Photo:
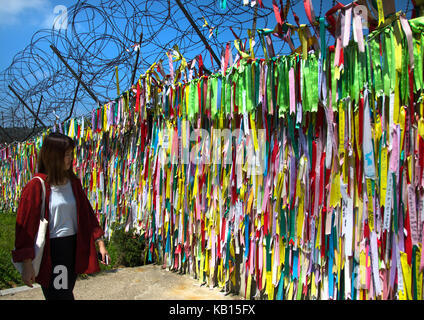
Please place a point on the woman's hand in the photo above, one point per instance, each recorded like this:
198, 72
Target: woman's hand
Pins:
28, 273
103, 252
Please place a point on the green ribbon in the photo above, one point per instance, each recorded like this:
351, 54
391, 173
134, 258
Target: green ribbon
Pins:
249, 87
213, 87
283, 88
414, 273
268, 252
387, 62
395, 210
269, 83
310, 83
223, 4
376, 66
195, 103
418, 45
257, 80
286, 262
322, 38
417, 27
283, 224
223, 92
292, 223
290, 125
192, 100
228, 91
404, 75
202, 98
333, 83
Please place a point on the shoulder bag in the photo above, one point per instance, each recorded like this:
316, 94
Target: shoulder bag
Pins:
40, 237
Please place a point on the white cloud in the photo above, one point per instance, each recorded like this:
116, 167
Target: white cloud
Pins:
48, 20
56, 18
13, 11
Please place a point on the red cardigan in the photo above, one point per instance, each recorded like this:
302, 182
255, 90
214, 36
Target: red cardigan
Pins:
27, 222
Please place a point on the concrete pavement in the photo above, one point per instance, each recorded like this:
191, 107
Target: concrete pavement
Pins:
149, 282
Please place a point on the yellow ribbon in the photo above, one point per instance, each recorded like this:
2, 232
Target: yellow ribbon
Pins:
303, 40
243, 54
380, 12
117, 80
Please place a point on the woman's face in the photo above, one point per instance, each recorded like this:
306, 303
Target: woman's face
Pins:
68, 159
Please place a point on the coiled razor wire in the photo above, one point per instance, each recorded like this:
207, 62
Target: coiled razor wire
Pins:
101, 36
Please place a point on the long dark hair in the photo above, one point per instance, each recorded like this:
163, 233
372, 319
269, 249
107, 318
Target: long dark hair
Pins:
52, 155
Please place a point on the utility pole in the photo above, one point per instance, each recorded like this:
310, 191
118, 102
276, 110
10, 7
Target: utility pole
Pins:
35, 122
29, 109
75, 97
198, 31
92, 95
136, 59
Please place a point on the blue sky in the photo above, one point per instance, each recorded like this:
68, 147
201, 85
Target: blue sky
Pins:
19, 20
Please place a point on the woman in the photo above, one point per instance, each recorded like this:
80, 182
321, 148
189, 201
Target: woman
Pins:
73, 227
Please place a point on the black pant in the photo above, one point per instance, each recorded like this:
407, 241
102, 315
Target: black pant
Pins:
62, 252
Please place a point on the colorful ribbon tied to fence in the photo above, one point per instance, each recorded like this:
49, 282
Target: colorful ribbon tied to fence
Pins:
292, 177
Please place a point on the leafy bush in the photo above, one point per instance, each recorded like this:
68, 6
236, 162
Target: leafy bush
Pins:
126, 248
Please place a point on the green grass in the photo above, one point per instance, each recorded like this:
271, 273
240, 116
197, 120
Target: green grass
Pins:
9, 276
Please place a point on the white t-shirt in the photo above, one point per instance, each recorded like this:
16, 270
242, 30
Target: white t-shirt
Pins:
62, 211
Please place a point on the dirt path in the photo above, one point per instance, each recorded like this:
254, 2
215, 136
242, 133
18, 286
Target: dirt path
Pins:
149, 282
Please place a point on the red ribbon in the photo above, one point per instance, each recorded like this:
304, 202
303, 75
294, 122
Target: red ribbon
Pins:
203, 234
199, 94
313, 175
421, 155
227, 56
411, 92
323, 215
321, 172
137, 98
408, 240
277, 12
266, 214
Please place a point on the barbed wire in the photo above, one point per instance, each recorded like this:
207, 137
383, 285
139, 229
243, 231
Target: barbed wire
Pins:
103, 35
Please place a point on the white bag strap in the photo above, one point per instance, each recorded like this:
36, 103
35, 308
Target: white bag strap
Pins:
43, 201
